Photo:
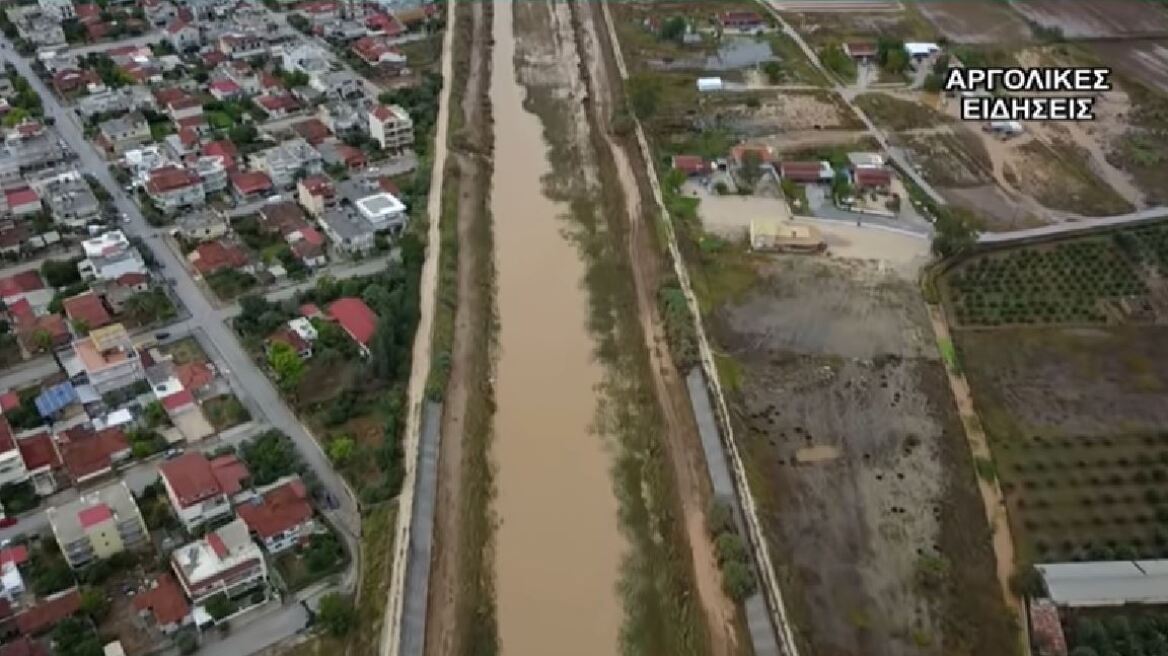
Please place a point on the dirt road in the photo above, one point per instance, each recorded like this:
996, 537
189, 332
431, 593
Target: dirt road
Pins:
420, 366
470, 348
680, 429
991, 492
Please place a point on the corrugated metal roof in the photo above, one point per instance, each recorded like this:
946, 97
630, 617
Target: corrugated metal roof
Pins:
1107, 583
55, 398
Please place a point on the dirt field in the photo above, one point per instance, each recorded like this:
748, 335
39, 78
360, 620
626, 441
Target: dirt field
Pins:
783, 112
1146, 61
838, 373
822, 28
975, 21
1091, 19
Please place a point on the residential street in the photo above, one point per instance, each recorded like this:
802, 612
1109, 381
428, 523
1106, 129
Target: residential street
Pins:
249, 377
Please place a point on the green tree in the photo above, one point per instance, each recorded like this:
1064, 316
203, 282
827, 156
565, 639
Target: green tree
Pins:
673, 29
270, 457
340, 449
286, 362
219, 606
187, 642
952, 235
738, 580
751, 169
75, 637
154, 414
841, 186
94, 604
644, 95
773, 71
60, 273
337, 615
730, 548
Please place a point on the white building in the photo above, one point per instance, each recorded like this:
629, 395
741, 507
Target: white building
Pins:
391, 127
109, 257
225, 561
199, 489
383, 211
12, 469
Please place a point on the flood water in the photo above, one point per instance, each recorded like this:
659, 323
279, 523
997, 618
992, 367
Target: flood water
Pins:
734, 53
558, 546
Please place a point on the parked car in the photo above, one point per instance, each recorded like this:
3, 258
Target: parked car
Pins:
161, 335
8, 521
173, 453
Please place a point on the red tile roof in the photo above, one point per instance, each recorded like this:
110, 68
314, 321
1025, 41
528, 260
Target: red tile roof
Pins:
199, 121
48, 612
85, 452
20, 283
318, 185
312, 236
23, 645
355, 317
176, 26
21, 196
277, 103
180, 399
165, 601
87, 308
217, 545
170, 178
312, 130
38, 451
132, 279
94, 515
222, 148
381, 112
194, 375
17, 555
194, 478
225, 87
310, 310
286, 335
230, 472
189, 137
871, 176
353, 157
247, 183
801, 171
320, 7
9, 401
690, 164
191, 478
89, 10
213, 256
764, 154
282, 508
384, 24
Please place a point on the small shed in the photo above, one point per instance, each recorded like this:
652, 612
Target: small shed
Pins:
921, 50
710, 84
807, 172
860, 50
872, 177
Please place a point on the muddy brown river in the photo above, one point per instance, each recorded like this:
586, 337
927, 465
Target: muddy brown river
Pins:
558, 546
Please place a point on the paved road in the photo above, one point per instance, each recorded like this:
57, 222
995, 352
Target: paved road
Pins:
1071, 227
347, 517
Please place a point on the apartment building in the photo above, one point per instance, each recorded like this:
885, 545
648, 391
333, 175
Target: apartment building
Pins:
98, 524
225, 561
391, 127
108, 359
110, 256
172, 188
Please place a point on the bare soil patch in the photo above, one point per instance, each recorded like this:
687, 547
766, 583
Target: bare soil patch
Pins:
1094, 20
1058, 175
1146, 61
768, 113
886, 544
893, 113
994, 208
823, 28
975, 21
950, 158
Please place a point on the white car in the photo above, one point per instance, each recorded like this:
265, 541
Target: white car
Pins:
125, 218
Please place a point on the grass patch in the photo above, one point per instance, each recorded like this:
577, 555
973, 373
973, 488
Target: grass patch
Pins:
185, 350
891, 113
225, 411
